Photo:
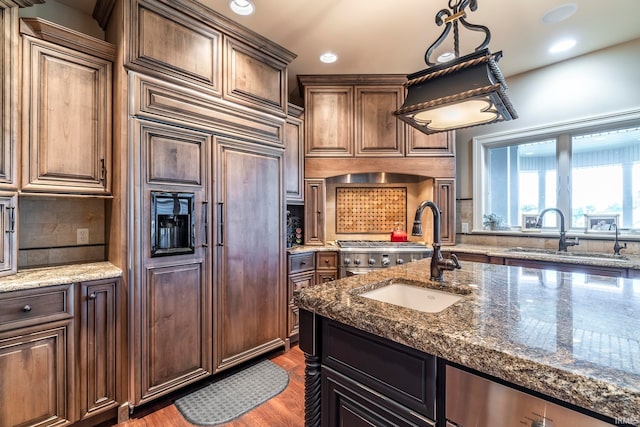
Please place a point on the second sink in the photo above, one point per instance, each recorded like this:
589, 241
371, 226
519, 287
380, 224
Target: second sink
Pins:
414, 297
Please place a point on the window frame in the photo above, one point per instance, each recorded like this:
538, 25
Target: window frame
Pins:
562, 133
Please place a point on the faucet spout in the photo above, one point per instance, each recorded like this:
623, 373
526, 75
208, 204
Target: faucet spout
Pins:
564, 242
617, 247
438, 263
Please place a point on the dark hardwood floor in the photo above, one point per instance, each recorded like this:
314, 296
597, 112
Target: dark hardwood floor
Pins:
284, 410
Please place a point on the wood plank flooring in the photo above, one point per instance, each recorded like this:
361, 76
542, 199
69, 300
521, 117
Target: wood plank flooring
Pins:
284, 410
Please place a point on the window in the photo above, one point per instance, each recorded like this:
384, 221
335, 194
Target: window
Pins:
583, 168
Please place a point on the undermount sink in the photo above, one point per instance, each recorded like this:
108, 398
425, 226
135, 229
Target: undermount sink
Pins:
569, 254
409, 294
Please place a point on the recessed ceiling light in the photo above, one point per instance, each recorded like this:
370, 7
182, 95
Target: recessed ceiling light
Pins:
242, 7
560, 13
445, 57
562, 45
328, 57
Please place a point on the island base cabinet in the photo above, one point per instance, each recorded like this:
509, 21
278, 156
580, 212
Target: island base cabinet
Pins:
348, 403
34, 376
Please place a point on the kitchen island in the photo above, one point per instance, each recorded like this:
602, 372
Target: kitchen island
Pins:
571, 337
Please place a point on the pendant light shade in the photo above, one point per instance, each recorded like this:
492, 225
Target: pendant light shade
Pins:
464, 92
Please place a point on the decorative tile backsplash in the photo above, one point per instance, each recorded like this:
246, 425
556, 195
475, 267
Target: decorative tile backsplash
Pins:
370, 209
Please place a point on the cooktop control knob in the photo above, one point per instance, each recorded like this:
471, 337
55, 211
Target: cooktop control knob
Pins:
372, 261
400, 261
385, 262
356, 261
542, 423
347, 261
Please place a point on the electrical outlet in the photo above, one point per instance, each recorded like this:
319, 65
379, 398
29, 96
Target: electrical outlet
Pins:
83, 236
465, 227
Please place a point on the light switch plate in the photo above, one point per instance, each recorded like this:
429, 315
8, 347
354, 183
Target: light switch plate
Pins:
83, 236
465, 227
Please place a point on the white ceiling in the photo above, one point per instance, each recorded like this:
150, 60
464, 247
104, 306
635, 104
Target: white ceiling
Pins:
392, 36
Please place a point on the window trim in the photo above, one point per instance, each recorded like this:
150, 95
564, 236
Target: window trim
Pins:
482, 143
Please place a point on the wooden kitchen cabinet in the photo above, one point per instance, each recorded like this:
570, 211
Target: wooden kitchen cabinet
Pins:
250, 295
314, 214
444, 195
9, 238
9, 82
351, 115
99, 339
207, 52
300, 274
435, 144
172, 344
36, 357
294, 156
326, 266
329, 121
377, 131
66, 111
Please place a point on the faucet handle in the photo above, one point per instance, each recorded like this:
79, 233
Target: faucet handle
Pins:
450, 263
454, 260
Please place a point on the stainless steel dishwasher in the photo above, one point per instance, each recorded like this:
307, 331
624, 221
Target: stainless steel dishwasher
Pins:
473, 401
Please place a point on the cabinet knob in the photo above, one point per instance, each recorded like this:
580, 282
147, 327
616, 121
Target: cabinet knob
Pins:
26, 308
92, 295
303, 262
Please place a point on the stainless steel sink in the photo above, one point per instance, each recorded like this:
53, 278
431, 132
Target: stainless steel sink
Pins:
571, 254
413, 295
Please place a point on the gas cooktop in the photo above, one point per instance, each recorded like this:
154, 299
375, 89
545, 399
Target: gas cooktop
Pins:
379, 244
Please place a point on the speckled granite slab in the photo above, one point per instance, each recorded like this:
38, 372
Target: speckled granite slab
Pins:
49, 276
575, 337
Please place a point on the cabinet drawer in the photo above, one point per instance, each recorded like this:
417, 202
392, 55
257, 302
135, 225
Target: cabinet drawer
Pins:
22, 308
326, 260
403, 374
301, 262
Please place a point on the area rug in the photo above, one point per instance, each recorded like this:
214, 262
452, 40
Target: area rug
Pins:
232, 396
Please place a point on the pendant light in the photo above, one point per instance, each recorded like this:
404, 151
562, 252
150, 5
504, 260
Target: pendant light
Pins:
463, 92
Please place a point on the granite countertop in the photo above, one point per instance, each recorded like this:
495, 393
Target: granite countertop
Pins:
572, 336
312, 248
572, 256
49, 276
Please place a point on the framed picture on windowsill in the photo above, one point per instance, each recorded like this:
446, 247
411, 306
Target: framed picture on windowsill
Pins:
529, 223
600, 223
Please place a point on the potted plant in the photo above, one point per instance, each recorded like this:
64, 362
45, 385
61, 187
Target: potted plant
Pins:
492, 221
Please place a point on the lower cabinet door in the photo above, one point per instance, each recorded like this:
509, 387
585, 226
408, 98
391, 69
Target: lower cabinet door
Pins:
176, 328
98, 336
348, 403
35, 372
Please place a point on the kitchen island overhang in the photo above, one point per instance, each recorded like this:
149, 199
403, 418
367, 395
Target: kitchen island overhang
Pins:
535, 329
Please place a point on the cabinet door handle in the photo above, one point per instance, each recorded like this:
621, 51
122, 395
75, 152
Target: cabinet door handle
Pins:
11, 211
92, 295
205, 214
26, 308
103, 171
220, 223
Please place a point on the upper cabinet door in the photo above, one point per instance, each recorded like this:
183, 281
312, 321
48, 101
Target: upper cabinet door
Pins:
329, 121
294, 156
169, 44
378, 131
9, 96
8, 240
66, 113
435, 144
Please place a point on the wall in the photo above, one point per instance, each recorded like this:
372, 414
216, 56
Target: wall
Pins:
599, 83
64, 15
416, 192
48, 230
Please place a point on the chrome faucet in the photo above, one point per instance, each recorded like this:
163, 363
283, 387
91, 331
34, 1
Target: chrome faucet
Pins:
438, 263
617, 247
564, 242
